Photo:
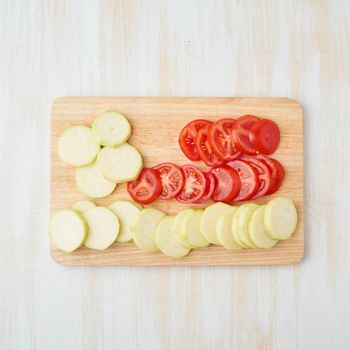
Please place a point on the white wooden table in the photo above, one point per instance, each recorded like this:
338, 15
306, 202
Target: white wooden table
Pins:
298, 49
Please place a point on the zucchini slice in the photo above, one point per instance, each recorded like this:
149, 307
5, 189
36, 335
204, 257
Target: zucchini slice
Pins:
166, 241
67, 230
77, 146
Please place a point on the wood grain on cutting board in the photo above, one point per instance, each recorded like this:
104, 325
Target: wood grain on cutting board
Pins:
156, 123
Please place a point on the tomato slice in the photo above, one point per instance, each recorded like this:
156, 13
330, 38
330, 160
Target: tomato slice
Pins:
221, 140
228, 184
172, 179
211, 183
265, 136
195, 185
204, 148
146, 188
241, 133
249, 179
263, 174
280, 176
272, 169
187, 138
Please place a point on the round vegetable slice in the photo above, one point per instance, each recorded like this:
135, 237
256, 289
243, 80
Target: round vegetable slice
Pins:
211, 183
191, 231
92, 183
120, 164
235, 220
221, 139
245, 213
144, 229
111, 129
209, 220
263, 175
224, 229
77, 146
256, 229
67, 230
195, 185
272, 169
280, 218
249, 179
146, 188
228, 184
166, 241
204, 148
127, 214
103, 228
279, 178
187, 138
264, 135
172, 180
241, 133
82, 206
177, 228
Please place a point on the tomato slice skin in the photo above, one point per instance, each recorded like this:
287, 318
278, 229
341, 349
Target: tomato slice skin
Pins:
211, 183
204, 148
228, 184
146, 188
280, 176
264, 135
221, 139
263, 174
187, 138
240, 133
195, 185
172, 180
249, 179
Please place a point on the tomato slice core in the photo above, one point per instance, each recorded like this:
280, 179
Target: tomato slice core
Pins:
187, 138
263, 174
249, 179
204, 148
195, 185
228, 183
146, 188
172, 179
240, 133
221, 139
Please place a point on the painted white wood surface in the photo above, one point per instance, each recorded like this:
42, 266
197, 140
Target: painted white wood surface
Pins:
298, 49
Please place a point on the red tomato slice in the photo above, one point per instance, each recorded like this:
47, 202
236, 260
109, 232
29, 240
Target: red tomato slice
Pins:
280, 176
265, 136
146, 188
228, 184
241, 133
272, 169
195, 185
187, 138
249, 179
221, 140
211, 183
263, 174
172, 179
204, 148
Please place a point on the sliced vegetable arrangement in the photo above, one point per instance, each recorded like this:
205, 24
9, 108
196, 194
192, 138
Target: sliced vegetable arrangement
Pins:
235, 228
224, 140
239, 180
240, 170
99, 170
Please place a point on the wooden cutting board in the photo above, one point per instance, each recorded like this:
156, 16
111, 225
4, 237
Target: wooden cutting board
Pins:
156, 123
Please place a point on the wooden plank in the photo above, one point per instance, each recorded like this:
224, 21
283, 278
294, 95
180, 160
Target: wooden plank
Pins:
156, 123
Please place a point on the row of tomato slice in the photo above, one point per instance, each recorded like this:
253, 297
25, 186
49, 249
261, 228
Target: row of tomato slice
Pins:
241, 179
218, 142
